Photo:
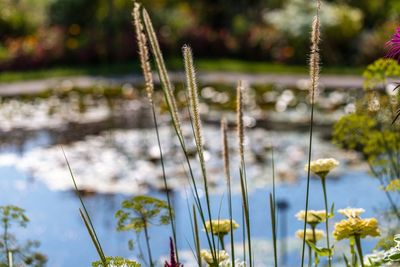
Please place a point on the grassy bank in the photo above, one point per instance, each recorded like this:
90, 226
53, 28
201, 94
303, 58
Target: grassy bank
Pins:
231, 65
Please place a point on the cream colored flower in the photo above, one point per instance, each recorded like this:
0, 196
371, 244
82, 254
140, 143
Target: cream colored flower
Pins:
351, 212
356, 227
313, 216
319, 234
322, 166
220, 227
207, 256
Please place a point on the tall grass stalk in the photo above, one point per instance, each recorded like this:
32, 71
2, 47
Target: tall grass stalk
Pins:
242, 170
314, 77
273, 225
147, 74
172, 108
85, 216
195, 231
162, 72
225, 156
196, 235
273, 210
196, 121
323, 181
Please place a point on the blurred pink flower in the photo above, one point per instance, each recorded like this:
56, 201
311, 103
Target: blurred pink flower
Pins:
393, 46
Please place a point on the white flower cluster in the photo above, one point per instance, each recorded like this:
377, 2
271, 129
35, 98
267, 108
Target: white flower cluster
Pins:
221, 226
310, 235
313, 216
322, 166
207, 256
351, 212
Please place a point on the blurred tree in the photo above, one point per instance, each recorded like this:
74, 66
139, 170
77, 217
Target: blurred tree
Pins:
21, 17
219, 14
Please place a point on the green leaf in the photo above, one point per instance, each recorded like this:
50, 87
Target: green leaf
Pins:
346, 261
116, 262
332, 213
323, 252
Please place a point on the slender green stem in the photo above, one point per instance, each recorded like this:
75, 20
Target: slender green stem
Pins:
359, 249
172, 108
314, 75
199, 148
273, 179
316, 260
323, 181
231, 230
148, 246
243, 235
353, 253
225, 154
196, 235
309, 256
308, 176
221, 240
6, 239
273, 209
246, 212
85, 215
171, 214
273, 224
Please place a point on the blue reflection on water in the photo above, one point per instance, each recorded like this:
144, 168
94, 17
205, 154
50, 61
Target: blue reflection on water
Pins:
55, 219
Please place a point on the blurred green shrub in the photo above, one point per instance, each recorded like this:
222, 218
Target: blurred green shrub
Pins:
22, 254
92, 31
21, 17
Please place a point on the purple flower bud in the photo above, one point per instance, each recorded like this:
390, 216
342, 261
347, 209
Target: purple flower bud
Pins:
173, 262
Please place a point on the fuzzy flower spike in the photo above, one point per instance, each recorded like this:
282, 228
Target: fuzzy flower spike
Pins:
393, 46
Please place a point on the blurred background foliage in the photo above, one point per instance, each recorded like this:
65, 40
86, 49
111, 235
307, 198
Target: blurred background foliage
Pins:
42, 33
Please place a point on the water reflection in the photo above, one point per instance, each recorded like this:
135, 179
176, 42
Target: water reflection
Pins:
55, 219
107, 136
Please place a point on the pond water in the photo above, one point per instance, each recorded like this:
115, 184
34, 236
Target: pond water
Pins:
55, 219
112, 151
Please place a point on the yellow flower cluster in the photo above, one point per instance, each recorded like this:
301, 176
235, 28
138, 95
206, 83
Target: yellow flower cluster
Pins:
351, 212
313, 216
322, 166
356, 227
208, 257
319, 234
394, 185
220, 227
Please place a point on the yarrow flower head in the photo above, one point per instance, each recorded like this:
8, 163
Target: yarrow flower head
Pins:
319, 234
220, 227
393, 46
351, 212
207, 256
322, 167
356, 227
313, 216
393, 186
